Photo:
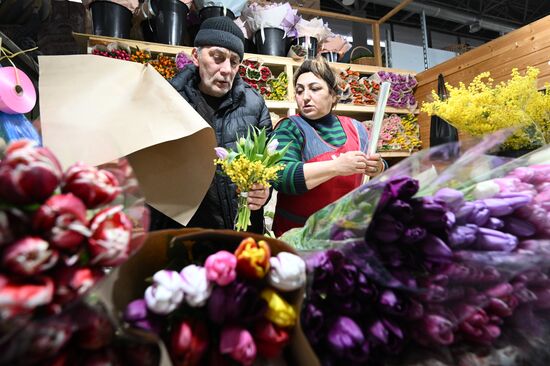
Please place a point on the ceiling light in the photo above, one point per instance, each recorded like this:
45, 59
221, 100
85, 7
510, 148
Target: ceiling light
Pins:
475, 27
348, 2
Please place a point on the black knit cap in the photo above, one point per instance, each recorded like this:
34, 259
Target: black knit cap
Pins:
221, 32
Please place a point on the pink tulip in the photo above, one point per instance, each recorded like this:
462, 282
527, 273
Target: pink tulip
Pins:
238, 344
220, 267
20, 298
62, 219
189, 343
95, 187
28, 174
29, 256
109, 242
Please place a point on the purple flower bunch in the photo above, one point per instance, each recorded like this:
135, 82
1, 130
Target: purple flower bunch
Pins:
182, 60
402, 87
435, 271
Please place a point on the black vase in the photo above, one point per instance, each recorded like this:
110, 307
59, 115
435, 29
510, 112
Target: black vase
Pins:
215, 11
170, 21
310, 45
330, 56
274, 44
110, 19
512, 153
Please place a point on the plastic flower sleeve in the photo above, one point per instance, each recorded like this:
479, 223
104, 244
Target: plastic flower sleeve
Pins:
441, 278
236, 6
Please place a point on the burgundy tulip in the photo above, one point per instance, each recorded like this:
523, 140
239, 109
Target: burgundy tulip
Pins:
22, 298
73, 282
270, 340
14, 223
28, 173
95, 329
189, 343
474, 324
47, 338
434, 330
95, 187
62, 219
29, 256
109, 242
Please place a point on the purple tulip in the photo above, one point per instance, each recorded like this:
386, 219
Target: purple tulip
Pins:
413, 234
401, 211
392, 303
462, 236
324, 264
343, 281
452, 197
499, 308
498, 207
516, 199
365, 290
387, 335
347, 341
405, 278
221, 153
494, 223
543, 298
518, 227
387, 229
435, 249
393, 256
473, 213
236, 301
434, 330
493, 240
313, 321
402, 188
434, 213
138, 316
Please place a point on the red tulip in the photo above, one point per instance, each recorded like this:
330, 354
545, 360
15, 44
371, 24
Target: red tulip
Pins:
73, 282
189, 343
29, 256
28, 174
270, 340
109, 242
20, 298
95, 187
62, 219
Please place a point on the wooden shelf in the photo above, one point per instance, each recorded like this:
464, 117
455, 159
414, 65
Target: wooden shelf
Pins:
280, 104
352, 108
395, 154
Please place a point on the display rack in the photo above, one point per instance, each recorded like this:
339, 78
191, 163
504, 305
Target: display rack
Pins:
287, 64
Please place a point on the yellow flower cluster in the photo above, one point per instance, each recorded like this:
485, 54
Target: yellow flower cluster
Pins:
409, 139
244, 173
482, 107
279, 87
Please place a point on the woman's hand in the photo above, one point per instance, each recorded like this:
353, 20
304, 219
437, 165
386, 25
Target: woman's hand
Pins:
257, 197
374, 166
351, 162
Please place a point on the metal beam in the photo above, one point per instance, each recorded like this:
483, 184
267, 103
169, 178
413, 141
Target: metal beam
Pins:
394, 11
525, 10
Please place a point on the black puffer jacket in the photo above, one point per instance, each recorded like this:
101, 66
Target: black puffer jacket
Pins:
242, 107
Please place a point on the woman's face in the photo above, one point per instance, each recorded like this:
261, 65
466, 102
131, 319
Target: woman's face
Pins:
313, 96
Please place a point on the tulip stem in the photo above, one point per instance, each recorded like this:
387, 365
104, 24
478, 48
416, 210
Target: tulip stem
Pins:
243, 213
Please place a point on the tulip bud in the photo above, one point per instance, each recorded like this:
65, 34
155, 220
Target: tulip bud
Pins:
109, 242
95, 187
253, 258
189, 343
346, 339
13, 224
21, 298
272, 146
238, 344
28, 174
29, 256
494, 240
195, 285
95, 329
138, 316
221, 267
221, 153
486, 189
166, 292
452, 197
278, 310
73, 282
518, 227
288, 272
270, 340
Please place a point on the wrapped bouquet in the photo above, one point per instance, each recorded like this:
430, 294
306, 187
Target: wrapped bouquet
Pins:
438, 270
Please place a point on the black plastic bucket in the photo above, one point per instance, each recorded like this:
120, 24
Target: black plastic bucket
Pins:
170, 21
274, 44
110, 19
309, 44
215, 11
330, 56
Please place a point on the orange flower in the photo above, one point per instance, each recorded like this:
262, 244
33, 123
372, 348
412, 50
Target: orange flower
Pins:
253, 258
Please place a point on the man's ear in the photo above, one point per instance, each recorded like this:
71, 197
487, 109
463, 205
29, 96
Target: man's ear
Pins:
195, 56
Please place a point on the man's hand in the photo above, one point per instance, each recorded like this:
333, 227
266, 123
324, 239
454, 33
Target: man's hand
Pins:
257, 197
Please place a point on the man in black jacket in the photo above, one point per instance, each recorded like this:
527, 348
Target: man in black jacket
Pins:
216, 91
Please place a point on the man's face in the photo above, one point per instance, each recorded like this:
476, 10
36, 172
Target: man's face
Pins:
217, 69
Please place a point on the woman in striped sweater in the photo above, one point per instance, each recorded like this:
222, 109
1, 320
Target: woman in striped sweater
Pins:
327, 155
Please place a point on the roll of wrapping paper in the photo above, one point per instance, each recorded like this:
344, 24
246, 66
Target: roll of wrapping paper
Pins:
377, 120
17, 93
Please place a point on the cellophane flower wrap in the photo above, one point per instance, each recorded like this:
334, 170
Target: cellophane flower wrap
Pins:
482, 107
450, 268
257, 17
256, 160
83, 334
61, 231
223, 300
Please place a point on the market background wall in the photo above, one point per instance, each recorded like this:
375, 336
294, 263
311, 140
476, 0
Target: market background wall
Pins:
526, 46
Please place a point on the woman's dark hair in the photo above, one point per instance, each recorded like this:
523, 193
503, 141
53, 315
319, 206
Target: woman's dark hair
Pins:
320, 68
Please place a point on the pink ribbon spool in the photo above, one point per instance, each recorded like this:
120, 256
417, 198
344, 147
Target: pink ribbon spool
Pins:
16, 97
